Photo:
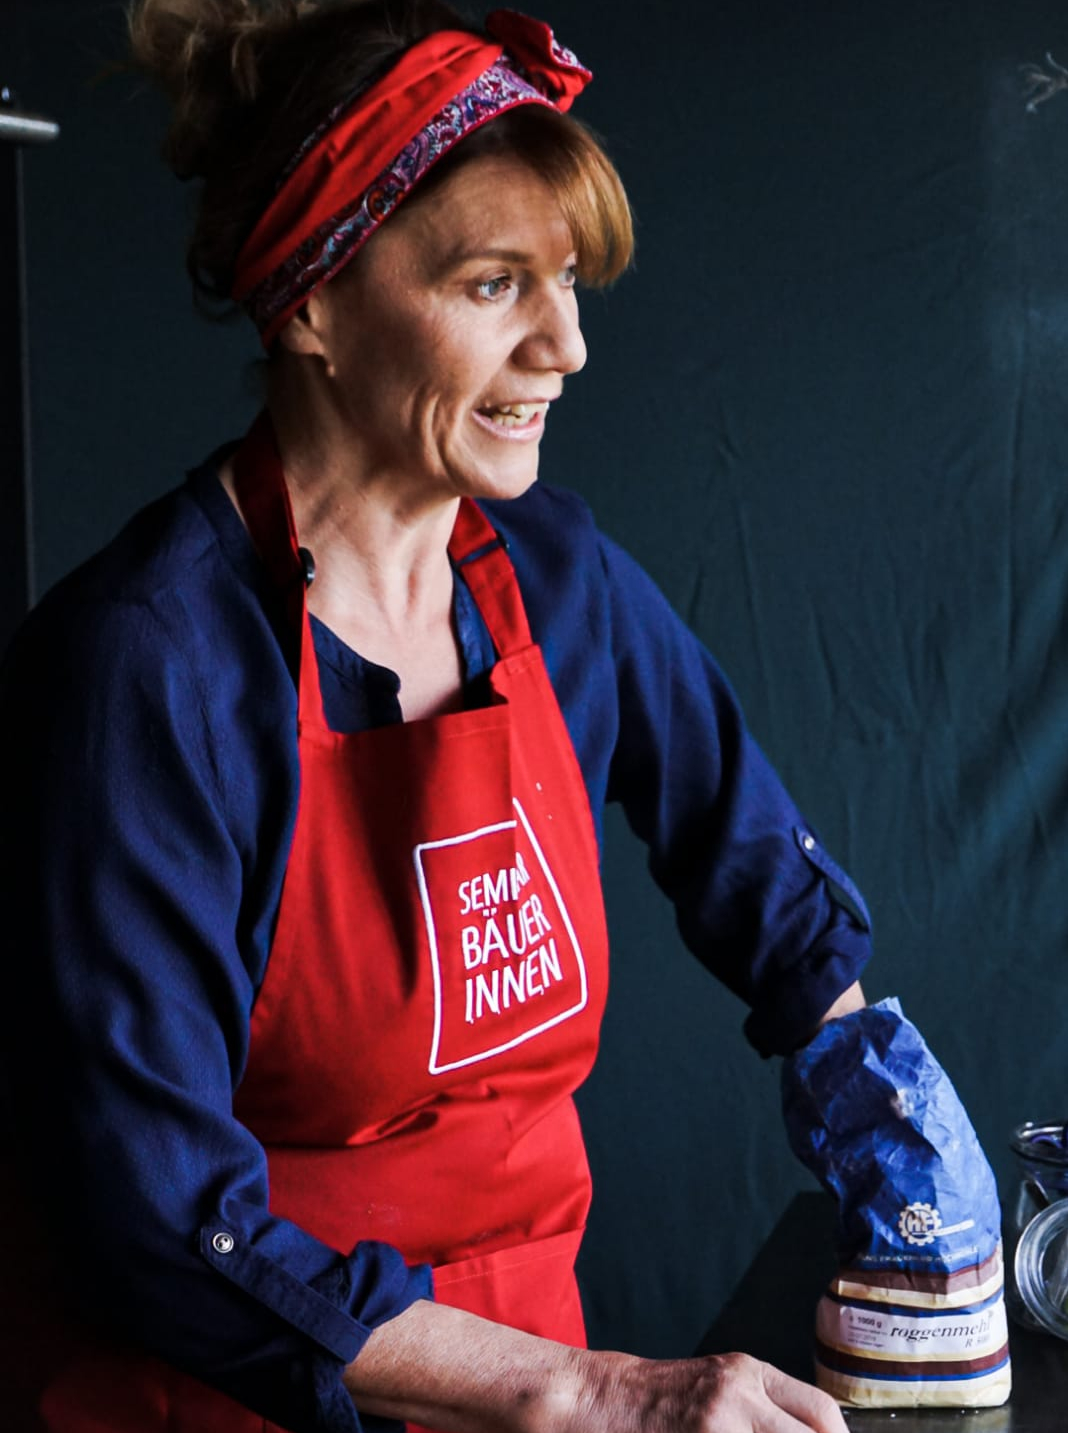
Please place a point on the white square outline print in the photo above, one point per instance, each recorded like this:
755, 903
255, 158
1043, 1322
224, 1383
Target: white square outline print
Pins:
434, 1068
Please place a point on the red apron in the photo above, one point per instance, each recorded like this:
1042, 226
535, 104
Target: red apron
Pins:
435, 986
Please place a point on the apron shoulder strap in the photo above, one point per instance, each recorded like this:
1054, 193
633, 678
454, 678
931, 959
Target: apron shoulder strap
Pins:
263, 498
480, 554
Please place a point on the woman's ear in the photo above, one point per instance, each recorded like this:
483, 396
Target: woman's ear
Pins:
306, 332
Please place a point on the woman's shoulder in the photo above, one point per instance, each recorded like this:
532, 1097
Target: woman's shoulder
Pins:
160, 548
557, 552
165, 595
555, 543
552, 540
546, 518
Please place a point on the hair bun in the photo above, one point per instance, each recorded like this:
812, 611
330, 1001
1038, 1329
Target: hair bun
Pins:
206, 57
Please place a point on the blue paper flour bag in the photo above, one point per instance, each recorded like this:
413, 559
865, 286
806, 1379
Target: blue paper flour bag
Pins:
916, 1314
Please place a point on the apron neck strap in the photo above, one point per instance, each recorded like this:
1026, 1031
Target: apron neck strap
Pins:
480, 554
263, 498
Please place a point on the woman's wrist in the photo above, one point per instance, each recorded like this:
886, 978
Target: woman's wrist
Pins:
451, 1370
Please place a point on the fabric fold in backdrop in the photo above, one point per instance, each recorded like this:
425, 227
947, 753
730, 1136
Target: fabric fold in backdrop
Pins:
916, 1314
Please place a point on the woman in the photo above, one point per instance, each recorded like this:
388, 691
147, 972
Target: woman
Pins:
318, 943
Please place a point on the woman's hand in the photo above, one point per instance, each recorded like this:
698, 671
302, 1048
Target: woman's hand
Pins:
721, 1393
446, 1369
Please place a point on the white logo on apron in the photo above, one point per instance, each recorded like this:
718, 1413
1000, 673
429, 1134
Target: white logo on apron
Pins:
505, 958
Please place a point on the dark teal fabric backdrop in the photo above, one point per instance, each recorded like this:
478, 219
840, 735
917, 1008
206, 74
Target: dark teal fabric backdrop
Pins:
827, 412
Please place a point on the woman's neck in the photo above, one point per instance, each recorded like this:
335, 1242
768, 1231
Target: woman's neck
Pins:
383, 582
381, 554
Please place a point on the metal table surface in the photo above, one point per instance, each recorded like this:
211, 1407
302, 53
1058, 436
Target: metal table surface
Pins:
771, 1315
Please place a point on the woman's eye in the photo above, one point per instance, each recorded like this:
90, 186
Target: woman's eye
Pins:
569, 276
494, 288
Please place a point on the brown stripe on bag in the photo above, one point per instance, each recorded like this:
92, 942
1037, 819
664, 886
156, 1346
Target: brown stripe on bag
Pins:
912, 1369
966, 1278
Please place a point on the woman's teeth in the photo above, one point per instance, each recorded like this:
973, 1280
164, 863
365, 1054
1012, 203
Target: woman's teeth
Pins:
511, 415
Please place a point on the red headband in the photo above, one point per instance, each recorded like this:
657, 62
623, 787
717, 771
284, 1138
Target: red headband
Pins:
351, 174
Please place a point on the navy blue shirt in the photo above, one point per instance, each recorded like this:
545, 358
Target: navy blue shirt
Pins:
148, 724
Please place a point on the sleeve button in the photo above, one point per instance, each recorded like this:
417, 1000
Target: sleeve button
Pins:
223, 1243
809, 842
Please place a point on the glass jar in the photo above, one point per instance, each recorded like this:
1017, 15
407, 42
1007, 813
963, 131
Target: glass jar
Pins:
1036, 1233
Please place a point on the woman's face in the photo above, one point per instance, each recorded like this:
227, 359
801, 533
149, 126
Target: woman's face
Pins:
451, 333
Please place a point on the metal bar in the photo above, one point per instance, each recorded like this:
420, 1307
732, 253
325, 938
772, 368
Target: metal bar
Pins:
16, 526
22, 128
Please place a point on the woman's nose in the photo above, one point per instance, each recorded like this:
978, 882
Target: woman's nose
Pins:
554, 340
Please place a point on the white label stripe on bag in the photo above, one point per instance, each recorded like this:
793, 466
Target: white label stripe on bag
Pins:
881, 1334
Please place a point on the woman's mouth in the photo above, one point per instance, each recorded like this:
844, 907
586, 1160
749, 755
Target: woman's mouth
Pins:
513, 420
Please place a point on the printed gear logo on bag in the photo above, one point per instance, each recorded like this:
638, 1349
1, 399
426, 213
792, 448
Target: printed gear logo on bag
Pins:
919, 1223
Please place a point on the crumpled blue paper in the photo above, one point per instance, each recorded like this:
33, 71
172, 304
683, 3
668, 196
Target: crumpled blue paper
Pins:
869, 1110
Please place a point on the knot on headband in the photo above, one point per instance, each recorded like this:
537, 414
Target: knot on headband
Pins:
552, 68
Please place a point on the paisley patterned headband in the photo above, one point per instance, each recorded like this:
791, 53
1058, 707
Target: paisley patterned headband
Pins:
356, 168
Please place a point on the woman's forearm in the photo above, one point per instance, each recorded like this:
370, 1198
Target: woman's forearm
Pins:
450, 1370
